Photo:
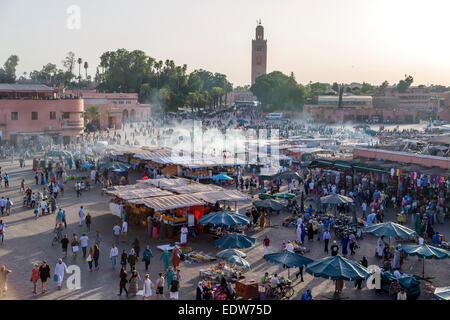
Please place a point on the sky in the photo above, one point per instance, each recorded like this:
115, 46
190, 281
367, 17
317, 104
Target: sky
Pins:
319, 40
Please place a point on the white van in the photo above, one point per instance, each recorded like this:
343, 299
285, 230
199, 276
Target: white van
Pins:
100, 147
274, 116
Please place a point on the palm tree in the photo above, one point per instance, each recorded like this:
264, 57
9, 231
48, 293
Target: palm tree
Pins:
86, 66
92, 114
79, 69
192, 99
158, 66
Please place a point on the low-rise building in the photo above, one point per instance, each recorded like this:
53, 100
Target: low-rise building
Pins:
354, 109
30, 112
115, 108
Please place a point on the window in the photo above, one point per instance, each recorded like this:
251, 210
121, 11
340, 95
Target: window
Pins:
52, 115
34, 115
66, 115
14, 116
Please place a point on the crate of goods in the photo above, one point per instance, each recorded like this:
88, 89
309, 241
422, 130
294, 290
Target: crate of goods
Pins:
247, 289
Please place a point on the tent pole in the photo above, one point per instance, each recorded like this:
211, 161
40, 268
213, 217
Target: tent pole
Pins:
423, 268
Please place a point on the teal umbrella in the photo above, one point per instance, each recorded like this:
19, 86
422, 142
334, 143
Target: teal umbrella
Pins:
336, 268
288, 259
235, 240
426, 252
269, 204
442, 293
336, 199
284, 195
391, 230
265, 196
58, 153
113, 166
225, 254
221, 177
223, 218
239, 261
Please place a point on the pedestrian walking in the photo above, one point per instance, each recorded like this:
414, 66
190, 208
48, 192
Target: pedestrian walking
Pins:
116, 233
165, 255
133, 282
326, 239
64, 245
175, 257
34, 277
113, 253
75, 245
169, 277
98, 238
81, 215
44, 274
160, 286
88, 222
266, 244
334, 248
96, 256
60, 268
2, 205
147, 255
148, 286
132, 258
2, 230
174, 288
90, 258
124, 259
352, 240
124, 231
84, 239
4, 279
64, 219
123, 281
8, 206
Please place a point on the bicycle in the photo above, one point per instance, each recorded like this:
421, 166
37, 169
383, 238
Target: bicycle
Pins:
285, 290
57, 238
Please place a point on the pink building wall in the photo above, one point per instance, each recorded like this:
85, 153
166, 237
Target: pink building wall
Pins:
71, 127
332, 115
402, 157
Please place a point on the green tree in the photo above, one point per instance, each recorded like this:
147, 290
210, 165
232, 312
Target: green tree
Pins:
403, 85
79, 61
69, 63
145, 93
367, 89
385, 84
8, 72
92, 114
277, 91
86, 66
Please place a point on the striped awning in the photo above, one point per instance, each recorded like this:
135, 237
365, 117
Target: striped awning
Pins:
170, 202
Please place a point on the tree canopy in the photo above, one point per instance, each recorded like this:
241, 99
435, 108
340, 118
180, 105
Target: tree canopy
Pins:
8, 72
277, 91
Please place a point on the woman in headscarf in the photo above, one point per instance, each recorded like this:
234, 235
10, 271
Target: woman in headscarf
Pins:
344, 242
380, 247
175, 257
303, 233
396, 261
199, 294
133, 282
169, 277
310, 231
299, 234
165, 258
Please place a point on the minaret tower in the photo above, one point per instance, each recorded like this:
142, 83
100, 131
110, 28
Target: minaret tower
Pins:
259, 53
